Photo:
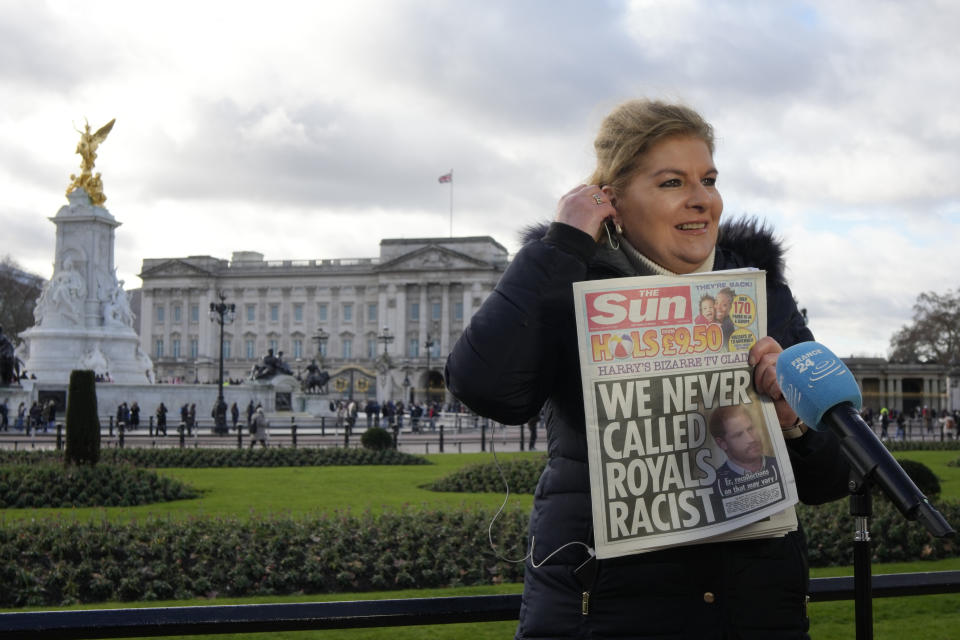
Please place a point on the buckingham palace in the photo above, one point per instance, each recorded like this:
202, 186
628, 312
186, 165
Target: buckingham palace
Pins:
410, 302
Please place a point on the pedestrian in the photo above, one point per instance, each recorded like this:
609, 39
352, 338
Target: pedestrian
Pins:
36, 415
45, 414
192, 419
532, 428
949, 426
884, 423
134, 415
21, 416
4, 410
234, 415
162, 419
368, 409
259, 428
415, 414
52, 415
901, 432
351, 415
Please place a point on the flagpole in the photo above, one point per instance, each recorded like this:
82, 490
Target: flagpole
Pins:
451, 203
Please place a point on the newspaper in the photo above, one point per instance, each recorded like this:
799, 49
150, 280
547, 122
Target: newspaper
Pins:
681, 447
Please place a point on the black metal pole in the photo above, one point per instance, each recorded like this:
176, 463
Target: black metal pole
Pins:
861, 508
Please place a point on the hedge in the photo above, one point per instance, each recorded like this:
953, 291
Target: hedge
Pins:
521, 476
59, 486
53, 563
57, 563
196, 457
922, 445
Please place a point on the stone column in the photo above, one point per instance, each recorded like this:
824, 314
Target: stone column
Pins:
424, 316
401, 320
445, 320
146, 321
208, 340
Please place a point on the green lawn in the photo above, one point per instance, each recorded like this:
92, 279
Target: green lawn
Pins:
303, 491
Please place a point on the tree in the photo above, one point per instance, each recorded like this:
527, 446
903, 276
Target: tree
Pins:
934, 334
83, 424
19, 291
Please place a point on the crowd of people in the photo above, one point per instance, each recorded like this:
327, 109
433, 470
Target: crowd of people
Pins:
40, 416
390, 414
931, 422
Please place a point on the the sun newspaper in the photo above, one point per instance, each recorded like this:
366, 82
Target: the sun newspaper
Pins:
681, 447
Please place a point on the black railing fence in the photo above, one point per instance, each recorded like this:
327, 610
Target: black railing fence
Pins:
448, 433
252, 618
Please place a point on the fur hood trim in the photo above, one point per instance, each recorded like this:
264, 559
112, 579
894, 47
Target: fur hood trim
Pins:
742, 242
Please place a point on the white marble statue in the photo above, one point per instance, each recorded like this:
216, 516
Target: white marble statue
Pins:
94, 360
62, 297
116, 309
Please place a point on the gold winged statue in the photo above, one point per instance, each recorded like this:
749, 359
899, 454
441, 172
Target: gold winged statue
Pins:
87, 148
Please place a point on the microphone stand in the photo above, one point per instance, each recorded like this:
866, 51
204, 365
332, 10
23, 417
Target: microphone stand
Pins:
861, 508
869, 462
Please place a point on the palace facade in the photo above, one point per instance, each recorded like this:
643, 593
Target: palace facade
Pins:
413, 300
410, 302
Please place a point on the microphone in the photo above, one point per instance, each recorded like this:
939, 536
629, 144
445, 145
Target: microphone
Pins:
821, 389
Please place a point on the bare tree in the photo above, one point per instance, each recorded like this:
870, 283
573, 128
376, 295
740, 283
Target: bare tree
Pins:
19, 291
934, 334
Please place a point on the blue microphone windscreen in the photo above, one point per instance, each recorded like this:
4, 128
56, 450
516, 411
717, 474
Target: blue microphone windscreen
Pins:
814, 380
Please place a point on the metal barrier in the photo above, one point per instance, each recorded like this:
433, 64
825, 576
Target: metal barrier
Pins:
251, 618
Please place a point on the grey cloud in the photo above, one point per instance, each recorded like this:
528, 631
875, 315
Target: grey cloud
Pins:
344, 160
40, 53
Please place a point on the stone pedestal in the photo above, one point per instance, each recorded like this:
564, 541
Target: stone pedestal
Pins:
83, 316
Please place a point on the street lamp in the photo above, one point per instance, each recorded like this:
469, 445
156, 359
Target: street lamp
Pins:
386, 338
222, 313
383, 362
429, 346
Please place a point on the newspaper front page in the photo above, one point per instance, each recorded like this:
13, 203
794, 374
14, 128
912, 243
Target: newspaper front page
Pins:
681, 447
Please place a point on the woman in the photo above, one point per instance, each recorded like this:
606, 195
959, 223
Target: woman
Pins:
655, 185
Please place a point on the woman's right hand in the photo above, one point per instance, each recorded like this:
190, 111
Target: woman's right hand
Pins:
585, 207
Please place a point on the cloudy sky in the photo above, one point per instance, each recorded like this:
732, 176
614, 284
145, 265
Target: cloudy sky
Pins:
312, 130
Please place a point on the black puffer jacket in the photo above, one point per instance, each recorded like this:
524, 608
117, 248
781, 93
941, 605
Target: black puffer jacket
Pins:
519, 354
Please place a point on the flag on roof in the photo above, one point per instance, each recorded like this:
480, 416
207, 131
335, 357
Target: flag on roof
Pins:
447, 177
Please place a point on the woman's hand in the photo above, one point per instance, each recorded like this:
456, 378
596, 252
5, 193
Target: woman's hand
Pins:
763, 357
585, 207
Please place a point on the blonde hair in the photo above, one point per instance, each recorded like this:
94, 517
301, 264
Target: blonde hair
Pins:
631, 129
